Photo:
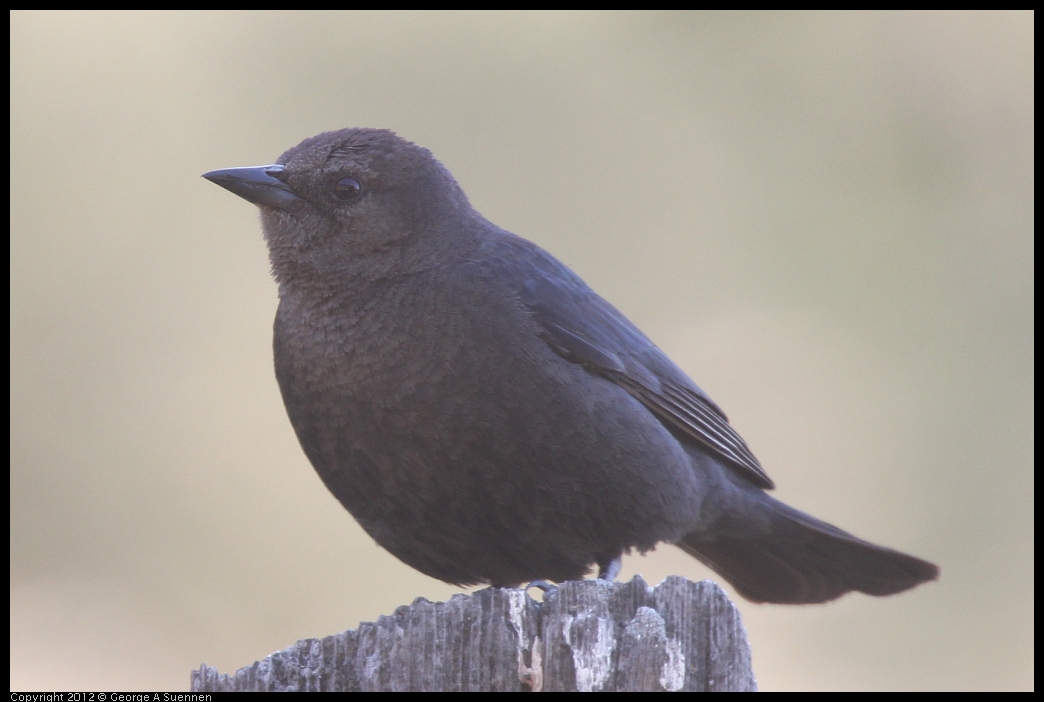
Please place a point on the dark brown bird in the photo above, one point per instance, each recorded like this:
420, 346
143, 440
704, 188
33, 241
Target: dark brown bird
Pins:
487, 417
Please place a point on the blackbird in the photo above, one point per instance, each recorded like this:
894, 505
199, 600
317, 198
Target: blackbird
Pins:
485, 415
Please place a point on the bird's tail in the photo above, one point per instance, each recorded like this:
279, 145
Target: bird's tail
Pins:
792, 558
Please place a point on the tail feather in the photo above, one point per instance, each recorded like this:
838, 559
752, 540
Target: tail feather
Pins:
801, 560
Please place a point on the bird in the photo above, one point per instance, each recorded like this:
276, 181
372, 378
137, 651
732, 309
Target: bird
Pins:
487, 417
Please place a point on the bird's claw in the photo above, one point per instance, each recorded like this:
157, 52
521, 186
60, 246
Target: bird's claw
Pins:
542, 585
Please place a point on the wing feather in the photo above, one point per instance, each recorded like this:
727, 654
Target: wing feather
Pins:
585, 329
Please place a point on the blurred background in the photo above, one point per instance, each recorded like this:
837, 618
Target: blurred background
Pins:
826, 219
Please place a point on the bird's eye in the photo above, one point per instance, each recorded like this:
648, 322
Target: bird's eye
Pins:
347, 189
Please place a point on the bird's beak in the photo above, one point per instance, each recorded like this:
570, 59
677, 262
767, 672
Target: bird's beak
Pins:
257, 184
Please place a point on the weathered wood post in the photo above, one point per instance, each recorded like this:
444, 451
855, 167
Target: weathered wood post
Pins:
588, 635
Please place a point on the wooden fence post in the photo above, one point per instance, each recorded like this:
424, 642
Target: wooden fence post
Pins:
588, 635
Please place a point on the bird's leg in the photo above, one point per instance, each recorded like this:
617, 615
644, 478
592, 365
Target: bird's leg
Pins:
609, 571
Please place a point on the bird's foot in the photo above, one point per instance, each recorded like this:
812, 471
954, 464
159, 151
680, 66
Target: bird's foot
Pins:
542, 585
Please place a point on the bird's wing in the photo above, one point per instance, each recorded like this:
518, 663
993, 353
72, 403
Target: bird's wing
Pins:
585, 329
